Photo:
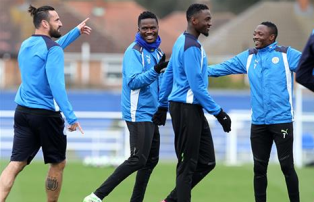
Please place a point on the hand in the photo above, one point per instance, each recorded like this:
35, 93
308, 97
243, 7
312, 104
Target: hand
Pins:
160, 116
224, 120
73, 127
161, 66
83, 28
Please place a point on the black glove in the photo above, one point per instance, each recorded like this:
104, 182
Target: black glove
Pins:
161, 66
224, 120
160, 116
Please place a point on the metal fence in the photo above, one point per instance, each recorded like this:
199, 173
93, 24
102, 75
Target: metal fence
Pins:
106, 139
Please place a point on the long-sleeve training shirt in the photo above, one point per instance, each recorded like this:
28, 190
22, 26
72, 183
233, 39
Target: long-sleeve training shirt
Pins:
305, 72
270, 72
185, 79
140, 83
41, 63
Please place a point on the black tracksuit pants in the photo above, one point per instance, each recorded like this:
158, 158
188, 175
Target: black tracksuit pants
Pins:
262, 138
194, 149
144, 145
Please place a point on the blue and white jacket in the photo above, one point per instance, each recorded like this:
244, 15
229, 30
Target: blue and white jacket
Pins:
41, 62
185, 79
140, 85
270, 73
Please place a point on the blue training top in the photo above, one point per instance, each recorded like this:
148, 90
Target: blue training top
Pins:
185, 79
140, 85
41, 62
270, 73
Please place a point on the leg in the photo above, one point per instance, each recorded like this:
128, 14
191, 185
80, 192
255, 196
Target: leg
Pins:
25, 147
261, 143
283, 135
206, 161
141, 134
187, 125
143, 174
8, 176
54, 181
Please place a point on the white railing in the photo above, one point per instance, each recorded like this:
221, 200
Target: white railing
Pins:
106, 135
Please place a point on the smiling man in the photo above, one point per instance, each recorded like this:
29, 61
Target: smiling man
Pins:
269, 68
143, 64
40, 99
184, 85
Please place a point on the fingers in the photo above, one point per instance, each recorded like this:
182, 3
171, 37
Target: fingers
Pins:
86, 30
80, 128
73, 127
84, 21
83, 28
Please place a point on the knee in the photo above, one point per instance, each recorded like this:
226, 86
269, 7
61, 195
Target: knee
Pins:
59, 166
286, 166
211, 166
152, 162
137, 162
260, 167
17, 166
206, 168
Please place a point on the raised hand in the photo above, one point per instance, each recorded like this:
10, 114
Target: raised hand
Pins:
84, 29
162, 64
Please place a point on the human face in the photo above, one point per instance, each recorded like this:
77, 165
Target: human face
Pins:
262, 36
148, 29
54, 25
202, 22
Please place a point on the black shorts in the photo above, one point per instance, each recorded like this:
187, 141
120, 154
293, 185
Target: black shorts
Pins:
35, 128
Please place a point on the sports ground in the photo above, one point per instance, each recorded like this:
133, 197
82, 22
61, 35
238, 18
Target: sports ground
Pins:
223, 184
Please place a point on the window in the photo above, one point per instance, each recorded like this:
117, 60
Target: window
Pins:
112, 71
2, 84
70, 71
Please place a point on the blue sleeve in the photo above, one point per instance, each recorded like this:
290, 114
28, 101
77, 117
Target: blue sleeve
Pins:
192, 67
305, 70
55, 75
235, 65
133, 68
166, 85
67, 39
293, 58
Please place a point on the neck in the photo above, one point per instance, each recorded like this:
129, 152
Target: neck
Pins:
192, 31
41, 32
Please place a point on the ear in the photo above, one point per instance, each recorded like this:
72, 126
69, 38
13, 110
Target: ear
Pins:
138, 29
272, 37
194, 20
45, 24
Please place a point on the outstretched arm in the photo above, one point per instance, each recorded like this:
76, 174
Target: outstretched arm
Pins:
72, 35
235, 65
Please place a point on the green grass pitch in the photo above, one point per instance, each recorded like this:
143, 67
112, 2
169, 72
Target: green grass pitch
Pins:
223, 184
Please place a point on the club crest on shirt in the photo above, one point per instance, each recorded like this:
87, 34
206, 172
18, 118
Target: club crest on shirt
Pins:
148, 59
275, 60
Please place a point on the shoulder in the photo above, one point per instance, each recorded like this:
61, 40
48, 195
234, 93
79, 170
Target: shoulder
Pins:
251, 51
48, 42
136, 47
190, 41
282, 49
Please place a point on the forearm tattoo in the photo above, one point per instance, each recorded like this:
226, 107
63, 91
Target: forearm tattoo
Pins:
52, 184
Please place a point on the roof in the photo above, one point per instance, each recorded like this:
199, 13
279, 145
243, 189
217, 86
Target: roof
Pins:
114, 24
236, 35
117, 19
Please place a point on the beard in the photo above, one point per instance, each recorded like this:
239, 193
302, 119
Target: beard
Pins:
54, 33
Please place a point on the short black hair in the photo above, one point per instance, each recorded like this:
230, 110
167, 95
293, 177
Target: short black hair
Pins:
39, 14
272, 27
145, 15
195, 8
